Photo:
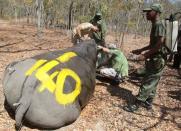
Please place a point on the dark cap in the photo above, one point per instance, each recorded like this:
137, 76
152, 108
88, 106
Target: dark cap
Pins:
155, 7
98, 16
98, 13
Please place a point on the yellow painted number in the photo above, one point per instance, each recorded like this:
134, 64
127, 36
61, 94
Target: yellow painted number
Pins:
58, 87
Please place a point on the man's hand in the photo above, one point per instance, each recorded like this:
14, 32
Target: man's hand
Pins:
137, 52
99, 48
103, 48
141, 57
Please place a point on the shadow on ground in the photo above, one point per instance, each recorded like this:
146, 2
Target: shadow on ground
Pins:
175, 94
116, 90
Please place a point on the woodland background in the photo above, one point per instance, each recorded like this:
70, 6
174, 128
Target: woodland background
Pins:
121, 16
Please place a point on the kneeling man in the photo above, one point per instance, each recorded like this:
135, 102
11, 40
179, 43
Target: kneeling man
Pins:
116, 65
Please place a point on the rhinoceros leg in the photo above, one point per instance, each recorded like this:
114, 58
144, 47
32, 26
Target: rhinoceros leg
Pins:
25, 100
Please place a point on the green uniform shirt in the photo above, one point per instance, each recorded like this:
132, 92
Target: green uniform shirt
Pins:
157, 30
156, 61
119, 62
99, 36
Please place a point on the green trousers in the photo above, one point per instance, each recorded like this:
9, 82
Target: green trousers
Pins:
151, 74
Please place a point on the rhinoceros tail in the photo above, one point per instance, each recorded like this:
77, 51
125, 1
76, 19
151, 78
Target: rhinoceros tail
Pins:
25, 100
20, 112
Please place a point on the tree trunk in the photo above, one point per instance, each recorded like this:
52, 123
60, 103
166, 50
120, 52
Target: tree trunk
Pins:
15, 15
1, 12
70, 15
39, 9
138, 21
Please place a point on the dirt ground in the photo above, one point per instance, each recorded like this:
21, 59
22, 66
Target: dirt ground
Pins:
104, 111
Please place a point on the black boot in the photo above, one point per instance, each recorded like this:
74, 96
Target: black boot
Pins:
115, 82
176, 62
148, 103
132, 107
117, 79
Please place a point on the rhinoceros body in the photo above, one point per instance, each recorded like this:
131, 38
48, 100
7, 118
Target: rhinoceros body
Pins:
49, 90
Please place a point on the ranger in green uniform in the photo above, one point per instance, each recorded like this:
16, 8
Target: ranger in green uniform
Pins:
99, 36
154, 57
116, 65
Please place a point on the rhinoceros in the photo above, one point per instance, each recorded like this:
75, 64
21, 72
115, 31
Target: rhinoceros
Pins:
49, 90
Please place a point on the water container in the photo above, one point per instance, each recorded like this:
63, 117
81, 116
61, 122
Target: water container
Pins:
171, 35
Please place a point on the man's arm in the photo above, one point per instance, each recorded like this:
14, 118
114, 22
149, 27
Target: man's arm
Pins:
152, 50
139, 51
104, 49
107, 51
103, 31
145, 48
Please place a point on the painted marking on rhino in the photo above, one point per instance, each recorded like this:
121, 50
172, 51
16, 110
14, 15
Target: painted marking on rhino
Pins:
35, 66
67, 98
58, 86
66, 56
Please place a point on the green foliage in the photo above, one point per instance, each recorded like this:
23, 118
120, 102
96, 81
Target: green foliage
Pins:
178, 5
131, 24
28, 2
127, 6
82, 19
119, 13
4, 3
48, 4
104, 9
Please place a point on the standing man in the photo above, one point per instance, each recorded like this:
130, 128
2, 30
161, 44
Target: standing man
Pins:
153, 54
99, 36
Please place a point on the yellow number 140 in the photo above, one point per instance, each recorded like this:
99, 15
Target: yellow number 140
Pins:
47, 80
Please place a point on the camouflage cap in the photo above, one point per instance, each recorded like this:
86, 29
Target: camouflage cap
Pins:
98, 13
155, 7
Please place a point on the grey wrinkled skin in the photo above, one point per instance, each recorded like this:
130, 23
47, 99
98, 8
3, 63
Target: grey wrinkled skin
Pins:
41, 109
